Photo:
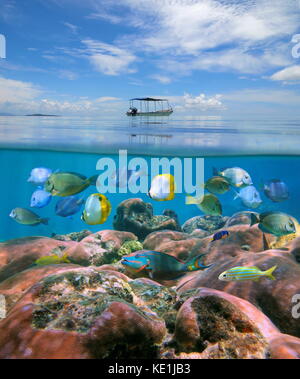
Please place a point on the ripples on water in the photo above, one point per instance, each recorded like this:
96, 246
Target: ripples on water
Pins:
146, 135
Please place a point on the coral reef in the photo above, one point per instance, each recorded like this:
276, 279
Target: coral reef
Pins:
136, 216
94, 308
206, 223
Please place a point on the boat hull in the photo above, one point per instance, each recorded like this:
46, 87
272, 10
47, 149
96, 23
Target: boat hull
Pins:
158, 113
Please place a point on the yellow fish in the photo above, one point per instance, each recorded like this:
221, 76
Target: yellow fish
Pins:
53, 259
97, 209
162, 187
246, 273
208, 204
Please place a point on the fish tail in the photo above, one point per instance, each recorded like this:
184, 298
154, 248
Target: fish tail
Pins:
93, 180
190, 200
65, 258
45, 221
195, 264
269, 272
216, 172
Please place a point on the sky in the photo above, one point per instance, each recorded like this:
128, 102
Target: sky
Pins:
234, 58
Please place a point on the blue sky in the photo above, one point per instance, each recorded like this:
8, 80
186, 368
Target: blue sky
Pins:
231, 58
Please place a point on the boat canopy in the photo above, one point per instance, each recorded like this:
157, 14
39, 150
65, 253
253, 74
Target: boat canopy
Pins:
148, 99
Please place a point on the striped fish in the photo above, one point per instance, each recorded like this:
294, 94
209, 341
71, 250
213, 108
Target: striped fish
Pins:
246, 273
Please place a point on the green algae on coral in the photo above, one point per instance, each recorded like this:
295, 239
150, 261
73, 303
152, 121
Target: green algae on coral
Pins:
129, 247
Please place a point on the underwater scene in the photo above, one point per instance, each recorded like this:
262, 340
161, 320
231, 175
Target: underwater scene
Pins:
182, 253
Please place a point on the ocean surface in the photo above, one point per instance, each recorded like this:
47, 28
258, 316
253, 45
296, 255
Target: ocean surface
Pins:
265, 149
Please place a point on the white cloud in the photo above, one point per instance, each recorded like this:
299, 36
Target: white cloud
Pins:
19, 97
67, 74
202, 102
107, 58
17, 91
245, 36
73, 28
102, 15
162, 79
289, 74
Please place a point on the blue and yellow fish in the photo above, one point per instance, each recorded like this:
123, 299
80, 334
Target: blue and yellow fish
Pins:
162, 266
220, 235
246, 273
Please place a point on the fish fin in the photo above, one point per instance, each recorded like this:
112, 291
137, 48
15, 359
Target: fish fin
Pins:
45, 221
80, 201
195, 264
254, 267
266, 245
54, 193
93, 180
254, 219
269, 272
237, 195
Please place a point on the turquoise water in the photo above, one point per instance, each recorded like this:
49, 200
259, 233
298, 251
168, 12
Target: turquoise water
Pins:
265, 149
16, 191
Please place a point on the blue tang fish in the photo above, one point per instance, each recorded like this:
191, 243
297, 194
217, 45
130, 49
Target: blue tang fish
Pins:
39, 175
249, 196
40, 198
276, 190
68, 206
220, 235
162, 266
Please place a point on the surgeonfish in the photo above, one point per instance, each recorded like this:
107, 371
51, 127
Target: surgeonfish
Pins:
217, 185
162, 187
276, 223
68, 183
249, 196
40, 198
220, 235
208, 204
160, 265
276, 190
39, 175
236, 176
52, 259
246, 273
26, 217
96, 210
68, 206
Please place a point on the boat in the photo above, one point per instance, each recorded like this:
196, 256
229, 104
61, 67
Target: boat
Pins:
149, 107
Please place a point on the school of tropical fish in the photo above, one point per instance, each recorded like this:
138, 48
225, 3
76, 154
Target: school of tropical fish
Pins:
96, 208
